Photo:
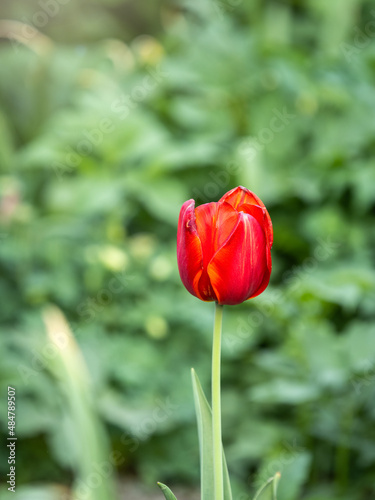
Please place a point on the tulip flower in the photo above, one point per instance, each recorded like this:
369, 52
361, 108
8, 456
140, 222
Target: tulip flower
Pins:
224, 247
223, 255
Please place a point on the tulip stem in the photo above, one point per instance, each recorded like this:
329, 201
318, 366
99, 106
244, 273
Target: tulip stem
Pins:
216, 405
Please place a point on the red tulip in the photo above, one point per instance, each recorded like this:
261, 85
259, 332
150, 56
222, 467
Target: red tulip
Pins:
224, 247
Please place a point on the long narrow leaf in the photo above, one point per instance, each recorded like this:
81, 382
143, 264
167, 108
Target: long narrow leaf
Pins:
167, 492
269, 490
204, 419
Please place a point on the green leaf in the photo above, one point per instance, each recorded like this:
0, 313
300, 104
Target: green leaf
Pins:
204, 418
269, 490
167, 492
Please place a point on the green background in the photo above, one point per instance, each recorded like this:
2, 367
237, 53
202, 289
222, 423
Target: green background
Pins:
111, 116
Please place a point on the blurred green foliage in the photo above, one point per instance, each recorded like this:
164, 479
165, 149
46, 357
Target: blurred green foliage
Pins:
109, 121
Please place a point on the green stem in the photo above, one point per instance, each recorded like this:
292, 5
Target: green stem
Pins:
216, 405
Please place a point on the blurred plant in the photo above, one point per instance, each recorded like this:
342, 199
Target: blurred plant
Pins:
208, 124
94, 463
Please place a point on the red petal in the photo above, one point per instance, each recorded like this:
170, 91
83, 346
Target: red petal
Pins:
189, 249
243, 196
239, 268
261, 215
240, 195
215, 222
267, 274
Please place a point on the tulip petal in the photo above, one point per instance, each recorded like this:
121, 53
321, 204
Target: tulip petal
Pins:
238, 268
266, 278
206, 216
189, 249
215, 223
240, 196
261, 215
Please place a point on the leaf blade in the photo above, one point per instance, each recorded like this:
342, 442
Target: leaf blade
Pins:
167, 492
204, 419
268, 491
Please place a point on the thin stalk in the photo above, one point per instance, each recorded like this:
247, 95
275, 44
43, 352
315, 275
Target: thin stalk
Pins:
216, 405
